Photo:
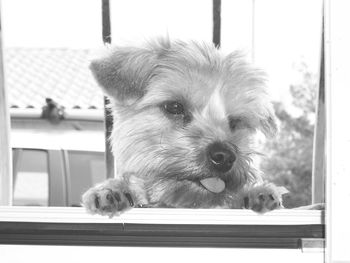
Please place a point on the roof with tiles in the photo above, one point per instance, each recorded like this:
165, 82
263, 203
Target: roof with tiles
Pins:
34, 74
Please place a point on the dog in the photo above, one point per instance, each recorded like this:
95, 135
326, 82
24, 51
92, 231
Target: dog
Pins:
185, 118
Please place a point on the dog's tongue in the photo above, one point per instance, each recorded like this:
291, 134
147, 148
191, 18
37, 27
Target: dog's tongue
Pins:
213, 184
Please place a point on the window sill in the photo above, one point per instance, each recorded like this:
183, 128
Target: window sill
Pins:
160, 227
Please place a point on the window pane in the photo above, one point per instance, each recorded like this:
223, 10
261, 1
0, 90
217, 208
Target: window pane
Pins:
31, 182
85, 169
138, 20
289, 51
44, 26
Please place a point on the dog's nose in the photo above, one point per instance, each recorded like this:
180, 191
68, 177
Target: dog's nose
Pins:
221, 157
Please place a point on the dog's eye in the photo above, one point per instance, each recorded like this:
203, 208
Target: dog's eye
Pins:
236, 123
174, 107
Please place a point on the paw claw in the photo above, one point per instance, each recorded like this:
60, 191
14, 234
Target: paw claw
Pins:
246, 202
117, 196
97, 201
128, 196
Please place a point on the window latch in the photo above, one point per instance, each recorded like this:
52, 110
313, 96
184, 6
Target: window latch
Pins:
312, 244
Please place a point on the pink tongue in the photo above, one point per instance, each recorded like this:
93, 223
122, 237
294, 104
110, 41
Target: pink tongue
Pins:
213, 184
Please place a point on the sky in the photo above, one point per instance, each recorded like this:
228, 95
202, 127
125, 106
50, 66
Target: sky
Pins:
279, 35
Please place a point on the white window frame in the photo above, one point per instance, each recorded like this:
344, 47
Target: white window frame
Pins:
5, 149
337, 57
163, 227
149, 227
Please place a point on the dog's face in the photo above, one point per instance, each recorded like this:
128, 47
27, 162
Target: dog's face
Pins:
184, 120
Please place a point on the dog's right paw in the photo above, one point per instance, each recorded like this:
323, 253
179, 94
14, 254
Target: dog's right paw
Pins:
264, 198
107, 199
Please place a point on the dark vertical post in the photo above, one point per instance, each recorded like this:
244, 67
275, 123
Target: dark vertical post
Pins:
107, 39
319, 156
106, 22
253, 31
217, 23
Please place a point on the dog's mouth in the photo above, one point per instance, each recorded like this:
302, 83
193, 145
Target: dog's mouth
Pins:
213, 184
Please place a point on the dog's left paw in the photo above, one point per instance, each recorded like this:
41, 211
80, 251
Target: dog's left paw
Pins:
112, 197
264, 198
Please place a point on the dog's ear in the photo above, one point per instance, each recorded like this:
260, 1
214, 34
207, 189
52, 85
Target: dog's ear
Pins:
124, 73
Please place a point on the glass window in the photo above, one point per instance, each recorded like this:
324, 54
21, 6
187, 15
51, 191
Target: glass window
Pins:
31, 181
85, 170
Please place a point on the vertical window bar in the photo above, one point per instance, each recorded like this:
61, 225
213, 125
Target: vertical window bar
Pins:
5, 150
319, 159
253, 31
106, 23
217, 23
108, 120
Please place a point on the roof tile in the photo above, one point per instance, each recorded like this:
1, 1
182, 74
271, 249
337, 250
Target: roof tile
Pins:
34, 74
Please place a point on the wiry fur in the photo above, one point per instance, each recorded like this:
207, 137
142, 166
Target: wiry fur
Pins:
164, 157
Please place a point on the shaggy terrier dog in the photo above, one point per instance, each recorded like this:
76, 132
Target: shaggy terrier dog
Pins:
185, 116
